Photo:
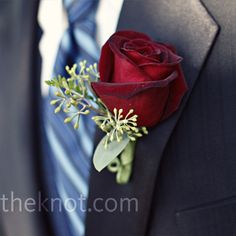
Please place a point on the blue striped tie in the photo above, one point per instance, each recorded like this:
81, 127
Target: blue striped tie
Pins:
70, 151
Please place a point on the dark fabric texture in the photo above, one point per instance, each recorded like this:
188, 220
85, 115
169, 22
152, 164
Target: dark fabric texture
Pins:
213, 219
187, 162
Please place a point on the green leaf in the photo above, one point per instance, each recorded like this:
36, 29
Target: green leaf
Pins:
102, 157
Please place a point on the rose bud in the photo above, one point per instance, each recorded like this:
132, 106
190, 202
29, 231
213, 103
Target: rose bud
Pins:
138, 73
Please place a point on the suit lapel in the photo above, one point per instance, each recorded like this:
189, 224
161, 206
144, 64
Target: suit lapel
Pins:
188, 26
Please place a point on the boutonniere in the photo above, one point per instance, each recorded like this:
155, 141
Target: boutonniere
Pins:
139, 84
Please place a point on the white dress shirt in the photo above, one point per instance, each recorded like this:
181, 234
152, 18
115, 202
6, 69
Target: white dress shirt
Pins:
52, 19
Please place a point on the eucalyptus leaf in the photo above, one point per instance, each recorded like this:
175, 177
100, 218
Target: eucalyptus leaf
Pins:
102, 157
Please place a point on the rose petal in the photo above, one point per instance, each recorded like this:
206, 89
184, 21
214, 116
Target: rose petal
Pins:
140, 59
130, 89
177, 90
106, 69
143, 97
124, 68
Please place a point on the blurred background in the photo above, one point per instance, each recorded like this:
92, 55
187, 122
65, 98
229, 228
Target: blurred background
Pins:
19, 115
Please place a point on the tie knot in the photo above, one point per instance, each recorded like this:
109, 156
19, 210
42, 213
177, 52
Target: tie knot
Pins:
79, 11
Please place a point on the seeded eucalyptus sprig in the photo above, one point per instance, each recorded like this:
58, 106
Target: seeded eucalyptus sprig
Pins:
75, 96
117, 126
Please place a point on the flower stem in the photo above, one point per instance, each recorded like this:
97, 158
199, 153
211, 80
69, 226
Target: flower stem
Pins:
124, 165
98, 111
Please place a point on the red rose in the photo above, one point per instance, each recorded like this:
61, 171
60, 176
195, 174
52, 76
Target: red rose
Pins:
138, 73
